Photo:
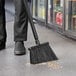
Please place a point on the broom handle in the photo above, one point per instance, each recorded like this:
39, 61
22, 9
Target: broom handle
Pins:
31, 22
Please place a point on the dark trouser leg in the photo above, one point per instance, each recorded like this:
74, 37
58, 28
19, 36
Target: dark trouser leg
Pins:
2, 21
21, 21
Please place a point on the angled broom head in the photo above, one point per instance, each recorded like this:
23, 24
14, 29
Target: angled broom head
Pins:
41, 53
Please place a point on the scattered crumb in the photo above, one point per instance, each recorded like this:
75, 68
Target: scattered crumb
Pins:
54, 65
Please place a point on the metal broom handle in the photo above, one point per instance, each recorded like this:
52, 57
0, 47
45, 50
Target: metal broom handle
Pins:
31, 22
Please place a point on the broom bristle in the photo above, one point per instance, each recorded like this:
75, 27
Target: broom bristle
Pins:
41, 53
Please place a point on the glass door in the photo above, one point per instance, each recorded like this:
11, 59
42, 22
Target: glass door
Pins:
41, 9
58, 9
71, 15
74, 14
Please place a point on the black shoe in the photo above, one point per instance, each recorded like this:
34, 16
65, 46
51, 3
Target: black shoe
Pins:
2, 45
19, 48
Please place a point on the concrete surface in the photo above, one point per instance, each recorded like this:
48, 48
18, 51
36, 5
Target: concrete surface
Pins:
64, 48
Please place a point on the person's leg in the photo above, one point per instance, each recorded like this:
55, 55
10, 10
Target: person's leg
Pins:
20, 26
21, 21
2, 25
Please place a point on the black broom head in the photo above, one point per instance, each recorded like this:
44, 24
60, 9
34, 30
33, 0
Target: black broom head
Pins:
41, 53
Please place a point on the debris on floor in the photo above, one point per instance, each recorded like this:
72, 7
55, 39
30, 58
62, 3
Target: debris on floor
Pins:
54, 65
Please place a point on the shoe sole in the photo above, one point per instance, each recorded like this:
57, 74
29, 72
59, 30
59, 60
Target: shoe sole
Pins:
19, 53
